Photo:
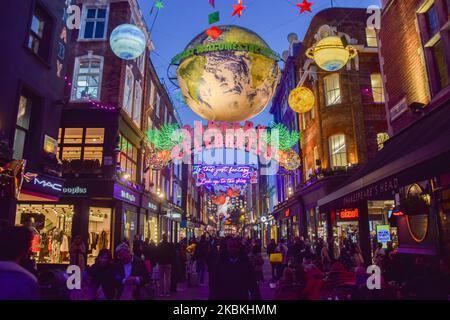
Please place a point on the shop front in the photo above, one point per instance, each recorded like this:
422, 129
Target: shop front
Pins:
39, 208
406, 185
290, 223
150, 228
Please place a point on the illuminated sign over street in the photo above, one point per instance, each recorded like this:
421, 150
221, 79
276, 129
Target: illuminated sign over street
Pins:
224, 175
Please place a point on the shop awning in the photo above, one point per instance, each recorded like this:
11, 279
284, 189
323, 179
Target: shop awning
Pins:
419, 152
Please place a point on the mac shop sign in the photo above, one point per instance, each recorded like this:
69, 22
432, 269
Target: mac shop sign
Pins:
45, 184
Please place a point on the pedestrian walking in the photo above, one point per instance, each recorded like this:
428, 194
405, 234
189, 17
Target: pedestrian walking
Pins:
77, 252
234, 277
16, 283
200, 255
105, 276
165, 259
132, 274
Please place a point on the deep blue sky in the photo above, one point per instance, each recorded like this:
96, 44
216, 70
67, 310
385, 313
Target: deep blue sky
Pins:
181, 20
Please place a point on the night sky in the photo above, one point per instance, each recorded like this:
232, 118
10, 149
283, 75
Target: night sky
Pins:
181, 20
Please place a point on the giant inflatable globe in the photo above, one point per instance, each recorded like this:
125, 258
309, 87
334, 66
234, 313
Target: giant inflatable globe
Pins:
127, 41
231, 78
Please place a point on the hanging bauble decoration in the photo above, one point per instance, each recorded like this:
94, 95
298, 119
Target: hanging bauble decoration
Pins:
159, 159
330, 54
127, 41
301, 99
292, 161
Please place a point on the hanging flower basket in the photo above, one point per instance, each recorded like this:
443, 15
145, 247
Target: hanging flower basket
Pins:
414, 205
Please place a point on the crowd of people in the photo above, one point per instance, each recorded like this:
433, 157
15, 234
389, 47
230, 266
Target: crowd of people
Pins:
231, 267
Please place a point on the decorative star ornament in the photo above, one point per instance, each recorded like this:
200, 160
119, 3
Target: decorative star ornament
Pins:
159, 5
214, 32
238, 8
211, 2
305, 6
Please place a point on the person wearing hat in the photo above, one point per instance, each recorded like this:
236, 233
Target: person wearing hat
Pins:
132, 272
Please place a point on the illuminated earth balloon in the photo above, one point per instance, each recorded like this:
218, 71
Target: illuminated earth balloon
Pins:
330, 53
233, 79
127, 41
301, 99
291, 161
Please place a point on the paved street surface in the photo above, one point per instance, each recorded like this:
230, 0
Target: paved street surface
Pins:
201, 293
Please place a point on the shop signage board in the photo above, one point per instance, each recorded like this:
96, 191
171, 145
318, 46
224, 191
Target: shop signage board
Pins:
75, 191
383, 234
148, 203
386, 187
348, 214
44, 184
126, 195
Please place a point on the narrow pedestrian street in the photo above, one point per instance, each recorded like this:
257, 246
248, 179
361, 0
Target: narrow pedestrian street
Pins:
185, 292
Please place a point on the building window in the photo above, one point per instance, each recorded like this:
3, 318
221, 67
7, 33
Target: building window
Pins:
128, 158
440, 63
128, 92
94, 25
81, 149
377, 88
40, 32
316, 157
22, 126
338, 151
141, 63
158, 105
332, 89
305, 164
87, 78
432, 20
137, 108
371, 37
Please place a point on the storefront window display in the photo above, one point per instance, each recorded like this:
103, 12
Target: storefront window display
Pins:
153, 229
52, 230
143, 226
99, 232
379, 213
347, 230
130, 225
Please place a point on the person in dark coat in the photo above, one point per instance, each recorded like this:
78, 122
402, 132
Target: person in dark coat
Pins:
200, 255
165, 258
234, 277
132, 273
16, 283
272, 248
106, 275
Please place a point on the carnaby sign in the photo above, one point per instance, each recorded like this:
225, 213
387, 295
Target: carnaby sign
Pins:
379, 189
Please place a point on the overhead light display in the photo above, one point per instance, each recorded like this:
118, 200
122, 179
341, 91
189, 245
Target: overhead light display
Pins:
330, 54
231, 77
301, 99
127, 41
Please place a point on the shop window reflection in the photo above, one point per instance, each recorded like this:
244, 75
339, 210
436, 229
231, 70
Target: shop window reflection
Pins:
52, 230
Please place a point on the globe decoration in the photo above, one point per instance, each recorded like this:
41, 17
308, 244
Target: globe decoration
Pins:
127, 41
292, 162
330, 53
301, 99
231, 78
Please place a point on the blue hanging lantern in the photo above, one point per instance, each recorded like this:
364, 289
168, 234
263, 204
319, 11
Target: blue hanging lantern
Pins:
127, 41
